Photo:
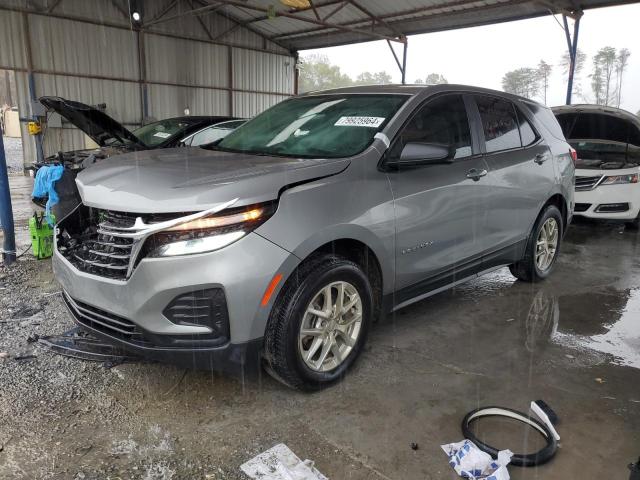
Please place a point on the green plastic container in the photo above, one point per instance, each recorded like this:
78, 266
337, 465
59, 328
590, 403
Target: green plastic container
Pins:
41, 236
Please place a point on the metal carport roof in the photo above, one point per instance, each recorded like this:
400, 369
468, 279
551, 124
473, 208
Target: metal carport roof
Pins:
327, 23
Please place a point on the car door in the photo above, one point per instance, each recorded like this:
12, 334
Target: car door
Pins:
521, 176
440, 209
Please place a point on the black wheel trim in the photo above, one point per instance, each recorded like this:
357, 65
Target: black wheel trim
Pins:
518, 459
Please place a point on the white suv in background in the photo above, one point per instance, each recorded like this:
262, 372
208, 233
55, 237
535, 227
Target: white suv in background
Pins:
607, 141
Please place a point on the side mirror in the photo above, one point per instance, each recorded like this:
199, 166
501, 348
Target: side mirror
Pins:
417, 153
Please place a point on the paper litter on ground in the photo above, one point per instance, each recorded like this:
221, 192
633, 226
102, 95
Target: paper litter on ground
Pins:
280, 463
470, 462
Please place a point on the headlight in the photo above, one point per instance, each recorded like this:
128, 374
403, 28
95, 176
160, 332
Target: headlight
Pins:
620, 179
208, 233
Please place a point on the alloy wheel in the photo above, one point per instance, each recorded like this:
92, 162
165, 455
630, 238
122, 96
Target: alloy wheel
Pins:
547, 244
330, 327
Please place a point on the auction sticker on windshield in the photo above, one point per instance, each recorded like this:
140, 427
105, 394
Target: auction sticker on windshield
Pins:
162, 134
373, 122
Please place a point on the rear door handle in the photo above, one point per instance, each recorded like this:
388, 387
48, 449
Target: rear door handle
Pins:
541, 158
476, 173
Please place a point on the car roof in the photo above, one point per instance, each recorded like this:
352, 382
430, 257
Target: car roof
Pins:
417, 89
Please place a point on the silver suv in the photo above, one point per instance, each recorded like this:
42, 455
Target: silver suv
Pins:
283, 243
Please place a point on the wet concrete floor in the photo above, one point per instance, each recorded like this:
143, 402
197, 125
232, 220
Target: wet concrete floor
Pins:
573, 341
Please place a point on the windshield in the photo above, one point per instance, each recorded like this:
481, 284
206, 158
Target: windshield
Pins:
327, 126
157, 133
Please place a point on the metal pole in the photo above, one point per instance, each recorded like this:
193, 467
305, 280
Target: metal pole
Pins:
404, 61
32, 86
573, 53
6, 212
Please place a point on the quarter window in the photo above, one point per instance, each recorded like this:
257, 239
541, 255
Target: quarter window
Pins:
527, 134
442, 121
499, 123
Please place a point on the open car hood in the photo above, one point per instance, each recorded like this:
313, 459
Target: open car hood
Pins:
99, 126
191, 179
605, 138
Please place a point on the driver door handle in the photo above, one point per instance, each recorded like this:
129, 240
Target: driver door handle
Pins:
476, 174
541, 158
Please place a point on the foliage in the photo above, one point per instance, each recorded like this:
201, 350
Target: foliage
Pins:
544, 72
604, 65
609, 66
565, 62
522, 81
432, 79
318, 73
377, 78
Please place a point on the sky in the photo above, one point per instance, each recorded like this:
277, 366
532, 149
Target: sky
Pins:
480, 56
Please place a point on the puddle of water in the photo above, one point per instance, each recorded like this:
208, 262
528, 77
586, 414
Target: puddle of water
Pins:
621, 338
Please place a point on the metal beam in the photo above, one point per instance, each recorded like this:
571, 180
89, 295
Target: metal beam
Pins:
120, 26
336, 10
322, 23
243, 24
421, 11
53, 6
572, 45
167, 8
201, 22
375, 18
6, 211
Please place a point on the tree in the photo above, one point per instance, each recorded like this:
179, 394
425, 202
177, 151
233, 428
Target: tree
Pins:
376, 78
544, 71
419, 81
604, 65
436, 79
317, 73
565, 63
621, 63
597, 85
522, 81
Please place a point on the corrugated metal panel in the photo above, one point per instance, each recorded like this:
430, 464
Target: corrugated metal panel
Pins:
122, 98
105, 51
63, 140
28, 144
215, 24
12, 51
262, 71
100, 10
168, 101
250, 104
186, 62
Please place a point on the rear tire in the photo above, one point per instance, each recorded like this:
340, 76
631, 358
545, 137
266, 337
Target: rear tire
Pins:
541, 252
339, 294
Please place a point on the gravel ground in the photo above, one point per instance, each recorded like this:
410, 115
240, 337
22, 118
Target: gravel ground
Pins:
13, 151
63, 418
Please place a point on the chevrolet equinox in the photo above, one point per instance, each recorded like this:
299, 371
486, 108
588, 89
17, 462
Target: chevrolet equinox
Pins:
281, 244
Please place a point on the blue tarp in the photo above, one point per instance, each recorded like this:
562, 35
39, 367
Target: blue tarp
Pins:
44, 185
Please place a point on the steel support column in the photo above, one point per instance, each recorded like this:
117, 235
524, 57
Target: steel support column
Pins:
33, 97
6, 211
404, 61
401, 66
572, 45
142, 71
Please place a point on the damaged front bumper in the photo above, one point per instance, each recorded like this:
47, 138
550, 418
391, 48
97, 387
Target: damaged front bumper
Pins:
136, 312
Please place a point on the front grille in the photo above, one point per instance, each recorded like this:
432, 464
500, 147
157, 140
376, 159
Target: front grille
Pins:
587, 183
102, 321
581, 207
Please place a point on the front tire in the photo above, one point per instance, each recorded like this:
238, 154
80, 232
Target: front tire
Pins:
542, 248
319, 323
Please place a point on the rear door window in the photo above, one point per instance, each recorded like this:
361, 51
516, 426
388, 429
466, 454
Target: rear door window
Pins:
499, 123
